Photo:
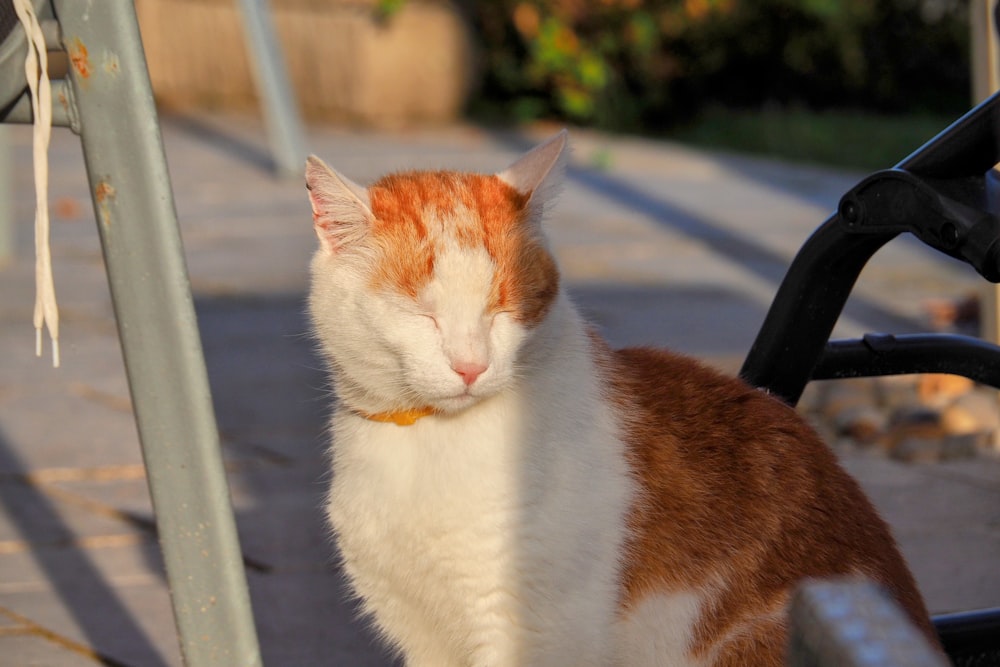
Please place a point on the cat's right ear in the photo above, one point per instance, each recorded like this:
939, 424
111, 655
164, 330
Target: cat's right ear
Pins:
539, 172
341, 208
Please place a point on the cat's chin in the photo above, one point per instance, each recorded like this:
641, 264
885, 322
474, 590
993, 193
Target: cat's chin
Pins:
456, 404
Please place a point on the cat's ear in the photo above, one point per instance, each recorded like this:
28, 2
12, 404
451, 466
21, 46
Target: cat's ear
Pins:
538, 173
341, 209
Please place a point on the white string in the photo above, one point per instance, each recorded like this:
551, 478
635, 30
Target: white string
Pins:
36, 70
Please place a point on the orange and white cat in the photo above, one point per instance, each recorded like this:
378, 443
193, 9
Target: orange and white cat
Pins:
507, 490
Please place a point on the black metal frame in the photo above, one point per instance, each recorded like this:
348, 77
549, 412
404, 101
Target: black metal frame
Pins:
941, 195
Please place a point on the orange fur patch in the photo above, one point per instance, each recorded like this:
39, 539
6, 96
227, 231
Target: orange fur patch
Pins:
416, 212
739, 497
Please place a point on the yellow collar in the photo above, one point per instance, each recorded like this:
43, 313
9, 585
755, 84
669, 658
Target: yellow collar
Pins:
399, 417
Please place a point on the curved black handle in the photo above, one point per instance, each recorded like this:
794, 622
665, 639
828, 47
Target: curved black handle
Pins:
951, 215
813, 293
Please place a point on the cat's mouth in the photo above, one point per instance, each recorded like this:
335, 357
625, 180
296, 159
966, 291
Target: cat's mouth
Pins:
458, 402
453, 400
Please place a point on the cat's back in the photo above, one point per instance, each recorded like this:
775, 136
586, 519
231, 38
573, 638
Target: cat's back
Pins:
739, 499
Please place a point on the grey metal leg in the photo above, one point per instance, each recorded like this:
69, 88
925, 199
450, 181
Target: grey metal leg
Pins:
852, 623
133, 202
6, 208
284, 124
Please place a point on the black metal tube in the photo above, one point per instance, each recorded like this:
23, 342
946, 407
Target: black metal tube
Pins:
813, 293
884, 354
971, 637
806, 307
967, 147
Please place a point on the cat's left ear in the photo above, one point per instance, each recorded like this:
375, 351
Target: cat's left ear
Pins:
341, 208
538, 173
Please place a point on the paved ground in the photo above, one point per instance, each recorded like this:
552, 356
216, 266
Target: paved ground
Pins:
659, 243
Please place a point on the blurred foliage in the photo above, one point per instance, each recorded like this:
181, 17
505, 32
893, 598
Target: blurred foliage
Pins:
386, 9
835, 138
645, 64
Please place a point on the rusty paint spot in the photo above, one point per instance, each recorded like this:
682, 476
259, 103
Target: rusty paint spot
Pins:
103, 194
103, 191
78, 57
111, 64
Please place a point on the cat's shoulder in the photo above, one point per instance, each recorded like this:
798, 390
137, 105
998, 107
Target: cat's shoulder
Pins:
661, 378
674, 401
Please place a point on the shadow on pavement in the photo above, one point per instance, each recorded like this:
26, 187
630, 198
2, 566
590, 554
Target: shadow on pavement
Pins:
694, 321
228, 143
68, 569
272, 404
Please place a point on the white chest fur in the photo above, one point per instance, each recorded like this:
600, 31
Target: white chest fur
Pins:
491, 537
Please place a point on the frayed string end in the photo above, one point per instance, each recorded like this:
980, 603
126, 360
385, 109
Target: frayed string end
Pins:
37, 75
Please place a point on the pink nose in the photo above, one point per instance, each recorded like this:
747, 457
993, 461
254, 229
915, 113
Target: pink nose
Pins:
469, 371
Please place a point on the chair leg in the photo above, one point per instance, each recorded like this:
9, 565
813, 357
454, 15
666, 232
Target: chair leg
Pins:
157, 326
277, 99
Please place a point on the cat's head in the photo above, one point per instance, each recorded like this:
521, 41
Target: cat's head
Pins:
427, 286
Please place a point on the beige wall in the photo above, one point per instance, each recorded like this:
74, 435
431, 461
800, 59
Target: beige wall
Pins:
344, 64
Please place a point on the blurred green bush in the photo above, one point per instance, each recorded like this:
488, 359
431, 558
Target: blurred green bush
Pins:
645, 64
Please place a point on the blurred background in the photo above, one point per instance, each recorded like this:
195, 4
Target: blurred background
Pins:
854, 83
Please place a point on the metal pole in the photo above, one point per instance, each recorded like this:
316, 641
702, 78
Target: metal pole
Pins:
281, 114
6, 204
985, 50
133, 202
986, 81
853, 624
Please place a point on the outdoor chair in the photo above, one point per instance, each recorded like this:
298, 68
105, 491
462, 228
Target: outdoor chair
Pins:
107, 100
947, 194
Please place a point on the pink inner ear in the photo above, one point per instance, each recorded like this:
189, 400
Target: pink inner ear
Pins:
340, 210
321, 224
320, 204
324, 232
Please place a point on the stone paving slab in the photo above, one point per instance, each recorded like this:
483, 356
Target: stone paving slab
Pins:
26, 512
126, 629
660, 244
111, 598
946, 519
33, 650
300, 623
